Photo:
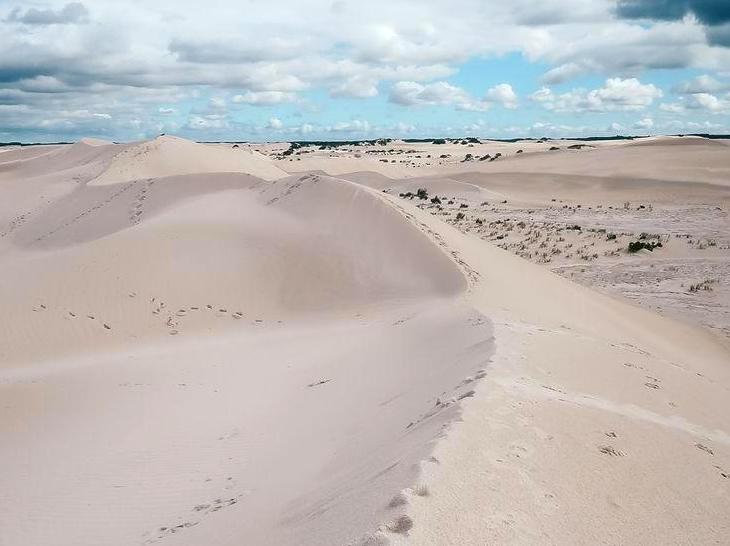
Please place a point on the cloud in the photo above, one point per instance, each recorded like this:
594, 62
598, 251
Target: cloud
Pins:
701, 84
217, 103
231, 50
645, 124
710, 102
204, 123
616, 95
445, 94
403, 128
264, 98
137, 57
673, 107
616, 127
715, 14
357, 87
434, 94
709, 12
562, 73
70, 14
354, 126
275, 123
502, 94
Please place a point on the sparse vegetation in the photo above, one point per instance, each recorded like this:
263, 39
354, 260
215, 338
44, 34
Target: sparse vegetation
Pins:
705, 286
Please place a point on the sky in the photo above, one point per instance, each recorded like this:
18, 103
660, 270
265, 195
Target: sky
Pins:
251, 70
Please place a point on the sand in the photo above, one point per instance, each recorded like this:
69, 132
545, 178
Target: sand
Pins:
204, 344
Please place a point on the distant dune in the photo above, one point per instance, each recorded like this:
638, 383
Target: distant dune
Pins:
168, 156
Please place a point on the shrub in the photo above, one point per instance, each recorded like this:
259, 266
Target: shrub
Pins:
422, 193
435, 200
636, 246
610, 236
460, 216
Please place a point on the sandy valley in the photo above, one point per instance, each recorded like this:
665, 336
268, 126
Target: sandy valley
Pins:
468, 342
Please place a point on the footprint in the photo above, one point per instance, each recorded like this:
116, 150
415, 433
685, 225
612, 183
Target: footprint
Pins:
610, 450
704, 448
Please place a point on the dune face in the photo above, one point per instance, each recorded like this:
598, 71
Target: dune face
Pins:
184, 338
203, 344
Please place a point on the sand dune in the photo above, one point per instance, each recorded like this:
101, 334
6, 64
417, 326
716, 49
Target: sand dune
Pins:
688, 159
167, 156
198, 347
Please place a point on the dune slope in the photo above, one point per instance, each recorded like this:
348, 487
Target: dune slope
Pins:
211, 358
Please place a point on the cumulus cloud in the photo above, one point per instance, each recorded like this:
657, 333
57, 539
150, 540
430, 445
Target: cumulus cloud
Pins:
445, 94
354, 126
616, 95
702, 84
264, 98
502, 94
645, 124
72, 13
710, 102
434, 94
616, 127
358, 87
211, 121
275, 123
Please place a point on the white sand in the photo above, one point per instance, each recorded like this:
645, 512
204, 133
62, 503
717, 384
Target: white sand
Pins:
198, 348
